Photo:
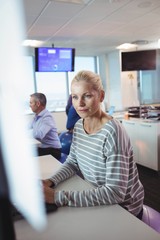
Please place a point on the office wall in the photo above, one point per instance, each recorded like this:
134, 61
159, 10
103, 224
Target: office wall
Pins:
124, 89
60, 119
129, 89
120, 89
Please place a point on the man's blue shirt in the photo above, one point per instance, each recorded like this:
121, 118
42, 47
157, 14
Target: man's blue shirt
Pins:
45, 131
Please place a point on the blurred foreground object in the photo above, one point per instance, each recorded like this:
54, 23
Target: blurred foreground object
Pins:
21, 170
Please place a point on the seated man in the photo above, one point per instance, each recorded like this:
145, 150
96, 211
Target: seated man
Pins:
44, 127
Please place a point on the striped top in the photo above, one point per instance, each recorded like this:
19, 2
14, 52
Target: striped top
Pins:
105, 160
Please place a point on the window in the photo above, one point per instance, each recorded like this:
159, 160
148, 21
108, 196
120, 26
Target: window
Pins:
30, 84
56, 85
82, 63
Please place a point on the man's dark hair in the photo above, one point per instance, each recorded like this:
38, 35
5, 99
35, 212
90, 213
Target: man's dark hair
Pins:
40, 97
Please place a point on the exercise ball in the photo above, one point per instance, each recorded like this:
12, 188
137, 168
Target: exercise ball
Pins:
65, 139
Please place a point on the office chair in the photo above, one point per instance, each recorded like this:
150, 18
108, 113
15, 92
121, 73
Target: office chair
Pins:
151, 217
65, 139
63, 157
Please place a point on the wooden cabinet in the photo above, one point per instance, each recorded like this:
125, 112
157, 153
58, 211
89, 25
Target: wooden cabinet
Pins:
145, 139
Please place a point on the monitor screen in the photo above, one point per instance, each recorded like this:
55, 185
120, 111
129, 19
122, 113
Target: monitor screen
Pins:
139, 60
49, 59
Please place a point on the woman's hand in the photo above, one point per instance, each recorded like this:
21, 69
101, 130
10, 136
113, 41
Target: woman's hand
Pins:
47, 183
48, 194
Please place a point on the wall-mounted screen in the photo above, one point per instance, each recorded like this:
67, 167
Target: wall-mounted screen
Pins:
138, 60
49, 59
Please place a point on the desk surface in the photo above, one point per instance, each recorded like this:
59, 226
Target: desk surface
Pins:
92, 223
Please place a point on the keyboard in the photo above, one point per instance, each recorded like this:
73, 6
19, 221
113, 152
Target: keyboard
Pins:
16, 215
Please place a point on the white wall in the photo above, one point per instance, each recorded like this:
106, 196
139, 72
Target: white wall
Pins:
60, 119
129, 89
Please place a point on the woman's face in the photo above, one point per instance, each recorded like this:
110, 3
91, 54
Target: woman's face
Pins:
85, 99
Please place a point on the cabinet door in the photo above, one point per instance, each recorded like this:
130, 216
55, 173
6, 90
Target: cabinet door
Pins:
148, 145
132, 131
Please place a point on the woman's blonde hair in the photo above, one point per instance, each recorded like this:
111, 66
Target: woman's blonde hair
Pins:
89, 77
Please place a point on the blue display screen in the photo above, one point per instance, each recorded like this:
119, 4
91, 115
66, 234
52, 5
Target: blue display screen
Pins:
54, 59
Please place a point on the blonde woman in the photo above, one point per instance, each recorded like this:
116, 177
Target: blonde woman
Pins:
101, 151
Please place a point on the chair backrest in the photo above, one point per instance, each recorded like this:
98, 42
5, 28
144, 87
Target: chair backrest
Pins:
151, 217
63, 157
66, 140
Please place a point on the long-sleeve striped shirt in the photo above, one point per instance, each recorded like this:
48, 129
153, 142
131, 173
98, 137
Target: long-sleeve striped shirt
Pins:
106, 161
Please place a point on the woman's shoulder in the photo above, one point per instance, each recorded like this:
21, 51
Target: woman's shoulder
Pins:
112, 123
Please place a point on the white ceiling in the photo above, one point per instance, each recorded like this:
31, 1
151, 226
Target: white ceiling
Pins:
93, 27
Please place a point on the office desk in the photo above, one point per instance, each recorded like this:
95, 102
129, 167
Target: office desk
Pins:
92, 223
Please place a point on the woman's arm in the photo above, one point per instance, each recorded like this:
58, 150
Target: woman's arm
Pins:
116, 183
111, 192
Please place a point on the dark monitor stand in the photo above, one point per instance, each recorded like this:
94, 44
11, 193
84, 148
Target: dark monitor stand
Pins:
6, 222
